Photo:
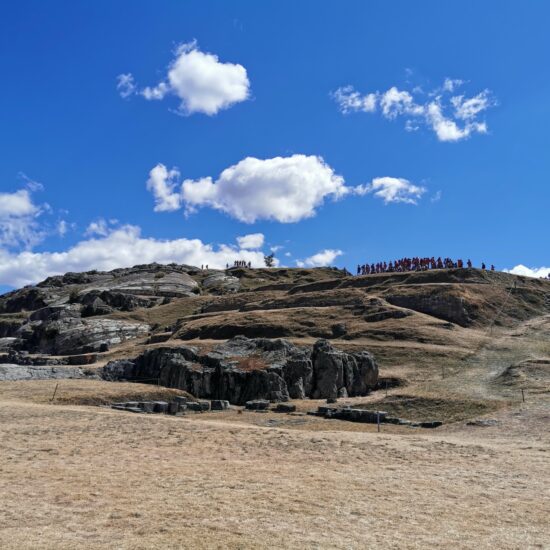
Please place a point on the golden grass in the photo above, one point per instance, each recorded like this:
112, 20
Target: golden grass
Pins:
83, 392
74, 477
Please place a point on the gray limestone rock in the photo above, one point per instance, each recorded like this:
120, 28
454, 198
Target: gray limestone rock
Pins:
243, 369
220, 282
9, 372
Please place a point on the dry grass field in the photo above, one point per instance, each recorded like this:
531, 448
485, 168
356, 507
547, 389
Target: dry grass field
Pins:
82, 477
77, 476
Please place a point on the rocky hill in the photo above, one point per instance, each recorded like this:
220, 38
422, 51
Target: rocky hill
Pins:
177, 315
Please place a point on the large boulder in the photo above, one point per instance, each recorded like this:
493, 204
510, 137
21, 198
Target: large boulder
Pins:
244, 369
338, 373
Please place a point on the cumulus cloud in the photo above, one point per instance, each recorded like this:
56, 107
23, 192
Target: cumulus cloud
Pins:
321, 259
529, 271
283, 189
162, 183
200, 80
450, 117
252, 241
121, 247
18, 219
392, 190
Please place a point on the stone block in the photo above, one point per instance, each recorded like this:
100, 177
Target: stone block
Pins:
285, 408
146, 406
198, 406
219, 405
431, 424
257, 405
160, 406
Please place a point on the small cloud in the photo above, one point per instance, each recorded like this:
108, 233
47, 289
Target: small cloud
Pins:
199, 79
126, 85
436, 197
351, 101
321, 259
392, 190
19, 219
253, 241
450, 84
62, 228
162, 183
100, 227
30, 184
537, 272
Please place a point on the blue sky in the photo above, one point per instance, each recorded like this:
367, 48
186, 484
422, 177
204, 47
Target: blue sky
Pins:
368, 173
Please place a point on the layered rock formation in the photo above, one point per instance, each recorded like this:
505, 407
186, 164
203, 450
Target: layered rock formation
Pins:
243, 369
60, 330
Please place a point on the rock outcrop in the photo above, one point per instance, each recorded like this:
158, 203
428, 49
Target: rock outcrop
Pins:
243, 369
59, 330
220, 282
9, 373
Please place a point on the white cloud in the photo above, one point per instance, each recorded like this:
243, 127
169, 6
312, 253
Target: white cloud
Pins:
17, 204
395, 102
452, 118
252, 241
321, 259
63, 227
350, 101
18, 219
99, 227
447, 129
450, 84
122, 247
529, 271
392, 190
200, 80
125, 85
468, 108
162, 183
284, 189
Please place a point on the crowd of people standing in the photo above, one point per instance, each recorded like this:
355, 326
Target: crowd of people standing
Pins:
415, 264
240, 263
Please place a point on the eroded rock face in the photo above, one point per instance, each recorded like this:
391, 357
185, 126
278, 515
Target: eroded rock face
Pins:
245, 369
65, 333
101, 292
434, 301
10, 372
221, 282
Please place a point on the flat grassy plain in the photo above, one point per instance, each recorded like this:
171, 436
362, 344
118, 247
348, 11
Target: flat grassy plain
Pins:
80, 476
